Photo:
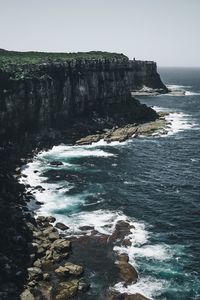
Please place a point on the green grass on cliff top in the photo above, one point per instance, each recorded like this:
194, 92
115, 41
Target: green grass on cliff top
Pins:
23, 58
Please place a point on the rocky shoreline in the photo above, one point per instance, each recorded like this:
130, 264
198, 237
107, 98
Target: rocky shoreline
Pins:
41, 247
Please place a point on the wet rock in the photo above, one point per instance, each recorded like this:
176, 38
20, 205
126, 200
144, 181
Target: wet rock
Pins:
56, 163
127, 272
122, 229
126, 243
61, 226
37, 263
69, 268
67, 290
61, 245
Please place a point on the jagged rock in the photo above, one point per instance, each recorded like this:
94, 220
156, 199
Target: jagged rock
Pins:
107, 80
67, 290
61, 226
69, 268
35, 273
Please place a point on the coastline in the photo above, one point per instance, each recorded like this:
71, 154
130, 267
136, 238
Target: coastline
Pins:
58, 101
45, 223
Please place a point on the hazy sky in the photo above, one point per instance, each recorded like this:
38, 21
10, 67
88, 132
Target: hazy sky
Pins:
167, 31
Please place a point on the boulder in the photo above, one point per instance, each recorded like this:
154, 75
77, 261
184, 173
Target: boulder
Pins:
67, 290
61, 245
69, 269
53, 236
127, 272
61, 226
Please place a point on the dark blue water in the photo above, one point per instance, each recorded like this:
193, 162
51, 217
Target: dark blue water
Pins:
153, 181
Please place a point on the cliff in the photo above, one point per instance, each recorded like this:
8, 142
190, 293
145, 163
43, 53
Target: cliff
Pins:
40, 92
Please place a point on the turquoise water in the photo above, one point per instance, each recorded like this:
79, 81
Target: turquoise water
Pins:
153, 182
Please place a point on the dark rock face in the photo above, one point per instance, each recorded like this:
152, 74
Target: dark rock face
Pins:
56, 95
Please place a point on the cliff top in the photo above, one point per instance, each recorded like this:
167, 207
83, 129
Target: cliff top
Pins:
8, 58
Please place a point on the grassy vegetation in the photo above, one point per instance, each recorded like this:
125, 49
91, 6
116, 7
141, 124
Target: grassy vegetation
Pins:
8, 58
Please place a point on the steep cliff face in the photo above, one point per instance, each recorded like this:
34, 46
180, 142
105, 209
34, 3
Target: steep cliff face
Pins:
144, 73
36, 97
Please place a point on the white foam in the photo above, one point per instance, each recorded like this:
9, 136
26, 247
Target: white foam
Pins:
179, 122
103, 221
181, 90
177, 87
147, 286
62, 152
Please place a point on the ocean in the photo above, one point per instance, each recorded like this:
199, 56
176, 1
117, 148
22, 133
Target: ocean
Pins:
152, 182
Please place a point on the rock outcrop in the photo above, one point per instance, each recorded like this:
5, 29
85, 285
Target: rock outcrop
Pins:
38, 97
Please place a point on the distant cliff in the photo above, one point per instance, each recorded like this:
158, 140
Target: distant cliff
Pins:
37, 94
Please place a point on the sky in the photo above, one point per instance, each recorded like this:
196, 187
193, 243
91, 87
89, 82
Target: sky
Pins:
166, 31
